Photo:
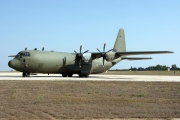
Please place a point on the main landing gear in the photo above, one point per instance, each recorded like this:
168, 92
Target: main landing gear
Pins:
25, 74
81, 75
70, 75
67, 75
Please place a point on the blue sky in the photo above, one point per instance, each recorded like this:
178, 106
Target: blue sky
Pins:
63, 25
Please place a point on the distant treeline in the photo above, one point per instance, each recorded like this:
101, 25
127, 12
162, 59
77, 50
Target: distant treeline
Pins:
154, 68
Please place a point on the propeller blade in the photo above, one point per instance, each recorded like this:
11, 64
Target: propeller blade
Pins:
109, 50
98, 50
80, 62
80, 48
85, 51
104, 47
103, 61
75, 51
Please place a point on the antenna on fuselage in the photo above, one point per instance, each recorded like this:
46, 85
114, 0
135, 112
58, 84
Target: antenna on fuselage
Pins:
43, 49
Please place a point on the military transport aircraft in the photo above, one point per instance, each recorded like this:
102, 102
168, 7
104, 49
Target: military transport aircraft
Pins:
82, 63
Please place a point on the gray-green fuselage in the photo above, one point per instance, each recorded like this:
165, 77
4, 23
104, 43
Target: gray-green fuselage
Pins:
56, 62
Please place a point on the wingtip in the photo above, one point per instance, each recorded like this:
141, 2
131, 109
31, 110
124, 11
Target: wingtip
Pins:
171, 52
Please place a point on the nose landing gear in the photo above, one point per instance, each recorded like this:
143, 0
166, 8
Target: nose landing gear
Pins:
25, 74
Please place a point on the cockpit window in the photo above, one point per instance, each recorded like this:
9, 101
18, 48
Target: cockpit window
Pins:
19, 54
23, 54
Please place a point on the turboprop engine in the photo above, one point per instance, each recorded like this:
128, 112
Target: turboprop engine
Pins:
87, 58
110, 56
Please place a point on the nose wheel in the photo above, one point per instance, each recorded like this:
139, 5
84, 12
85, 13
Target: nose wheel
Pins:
25, 74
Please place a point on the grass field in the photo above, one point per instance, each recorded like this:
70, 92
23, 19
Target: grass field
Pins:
88, 100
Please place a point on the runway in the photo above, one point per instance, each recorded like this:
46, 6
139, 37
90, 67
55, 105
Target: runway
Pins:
97, 77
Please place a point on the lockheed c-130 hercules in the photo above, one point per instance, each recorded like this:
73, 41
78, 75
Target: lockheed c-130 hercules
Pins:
82, 63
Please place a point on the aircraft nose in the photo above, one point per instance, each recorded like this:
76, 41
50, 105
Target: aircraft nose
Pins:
14, 63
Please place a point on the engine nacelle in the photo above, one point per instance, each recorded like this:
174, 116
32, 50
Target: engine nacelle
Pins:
87, 58
110, 56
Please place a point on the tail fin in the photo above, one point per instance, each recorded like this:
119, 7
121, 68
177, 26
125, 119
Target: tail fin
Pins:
120, 44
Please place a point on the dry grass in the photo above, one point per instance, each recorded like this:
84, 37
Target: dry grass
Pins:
88, 99
169, 73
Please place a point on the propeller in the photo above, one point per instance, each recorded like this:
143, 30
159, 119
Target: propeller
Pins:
80, 55
104, 54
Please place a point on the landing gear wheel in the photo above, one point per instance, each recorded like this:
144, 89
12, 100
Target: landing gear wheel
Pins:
25, 74
69, 75
80, 75
86, 75
64, 75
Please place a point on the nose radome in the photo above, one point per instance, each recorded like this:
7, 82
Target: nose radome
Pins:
14, 63
10, 63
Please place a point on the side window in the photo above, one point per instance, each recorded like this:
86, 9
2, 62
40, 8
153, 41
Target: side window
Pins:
25, 54
28, 54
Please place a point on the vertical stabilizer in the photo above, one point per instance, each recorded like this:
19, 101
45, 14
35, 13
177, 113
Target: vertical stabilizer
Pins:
120, 44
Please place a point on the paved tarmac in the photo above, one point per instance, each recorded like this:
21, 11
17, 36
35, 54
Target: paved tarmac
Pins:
97, 77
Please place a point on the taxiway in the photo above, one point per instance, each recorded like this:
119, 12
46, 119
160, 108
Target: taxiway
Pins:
97, 77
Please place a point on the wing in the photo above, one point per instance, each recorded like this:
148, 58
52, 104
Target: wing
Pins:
141, 53
96, 55
133, 58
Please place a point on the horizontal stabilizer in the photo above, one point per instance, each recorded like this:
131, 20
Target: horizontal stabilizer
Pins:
141, 53
133, 58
